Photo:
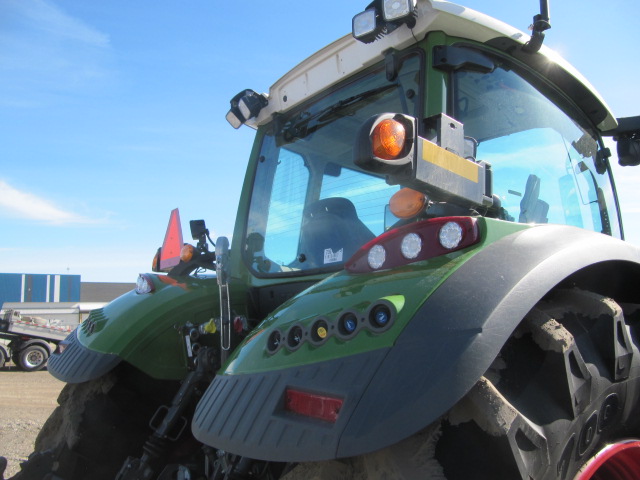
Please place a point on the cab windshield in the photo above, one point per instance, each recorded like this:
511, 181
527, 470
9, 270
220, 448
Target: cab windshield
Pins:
311, 207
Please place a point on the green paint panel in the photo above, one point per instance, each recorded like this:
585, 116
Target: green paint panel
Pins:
406, 288
141, 329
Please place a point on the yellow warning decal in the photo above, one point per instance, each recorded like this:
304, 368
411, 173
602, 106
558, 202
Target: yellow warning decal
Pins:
436, 155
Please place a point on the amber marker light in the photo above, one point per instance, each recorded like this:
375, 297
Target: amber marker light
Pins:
155, 264
388, 139
186, 253
407, 203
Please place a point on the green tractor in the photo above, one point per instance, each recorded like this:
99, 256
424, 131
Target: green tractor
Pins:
427, 279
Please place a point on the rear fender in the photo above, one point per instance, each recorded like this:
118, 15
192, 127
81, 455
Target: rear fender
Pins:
460, 329
141, 329
391, 393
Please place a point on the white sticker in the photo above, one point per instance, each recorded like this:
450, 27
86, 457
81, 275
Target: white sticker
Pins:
331, 257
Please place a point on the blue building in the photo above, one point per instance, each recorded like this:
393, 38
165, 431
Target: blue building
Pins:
27, 287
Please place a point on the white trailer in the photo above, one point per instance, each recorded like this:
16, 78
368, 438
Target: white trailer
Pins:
30, 339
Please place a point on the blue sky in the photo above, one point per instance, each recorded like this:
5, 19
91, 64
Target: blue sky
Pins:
112, 113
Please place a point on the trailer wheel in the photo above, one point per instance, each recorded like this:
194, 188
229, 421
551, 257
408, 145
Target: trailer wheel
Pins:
566, 384
96, 426
32, 358
4, 356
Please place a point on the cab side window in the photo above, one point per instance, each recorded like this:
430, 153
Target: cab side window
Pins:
545, 163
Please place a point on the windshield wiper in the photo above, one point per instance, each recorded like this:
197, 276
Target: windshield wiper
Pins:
305, 123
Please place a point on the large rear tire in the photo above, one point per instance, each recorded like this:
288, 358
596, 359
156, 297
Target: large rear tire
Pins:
96, 426
565, 384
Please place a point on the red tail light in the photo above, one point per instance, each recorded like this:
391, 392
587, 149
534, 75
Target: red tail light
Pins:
312, 405
415, 242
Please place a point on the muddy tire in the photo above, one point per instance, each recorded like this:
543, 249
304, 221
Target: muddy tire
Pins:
96, 426
32, 358
564, 385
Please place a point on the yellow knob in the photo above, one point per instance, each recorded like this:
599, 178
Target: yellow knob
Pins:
322, 332
210, 327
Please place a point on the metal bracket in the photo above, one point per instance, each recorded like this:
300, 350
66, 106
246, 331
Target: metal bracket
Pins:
222, 272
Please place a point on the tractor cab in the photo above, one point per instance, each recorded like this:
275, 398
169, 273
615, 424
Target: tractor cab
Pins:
444, 127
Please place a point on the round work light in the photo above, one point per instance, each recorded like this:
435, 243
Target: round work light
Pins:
450, 235
377, 256
411, 246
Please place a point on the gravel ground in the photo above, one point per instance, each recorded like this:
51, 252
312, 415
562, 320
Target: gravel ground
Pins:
26, 401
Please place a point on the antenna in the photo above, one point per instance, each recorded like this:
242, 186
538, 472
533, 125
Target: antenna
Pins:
541, 22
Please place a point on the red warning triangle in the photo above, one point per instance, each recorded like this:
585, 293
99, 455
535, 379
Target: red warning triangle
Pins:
170, 252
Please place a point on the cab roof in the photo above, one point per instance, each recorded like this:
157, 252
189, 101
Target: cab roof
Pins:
347, 56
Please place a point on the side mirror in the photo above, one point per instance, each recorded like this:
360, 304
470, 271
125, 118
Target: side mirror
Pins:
627, 136
629, 150
198, 229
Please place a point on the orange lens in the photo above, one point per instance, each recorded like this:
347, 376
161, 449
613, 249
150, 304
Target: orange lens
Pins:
388, 139
155, 265
407, 203
186, 253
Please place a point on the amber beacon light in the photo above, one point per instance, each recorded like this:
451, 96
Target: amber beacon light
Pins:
388, 139
386, 142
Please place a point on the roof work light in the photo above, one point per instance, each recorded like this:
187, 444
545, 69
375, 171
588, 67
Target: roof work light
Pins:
382, 17
245, 106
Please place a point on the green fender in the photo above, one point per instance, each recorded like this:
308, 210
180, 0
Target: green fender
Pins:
457, 313
141, 329
405, 288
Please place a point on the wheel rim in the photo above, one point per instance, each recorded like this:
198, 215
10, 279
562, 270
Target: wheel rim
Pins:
34, 358
620, 461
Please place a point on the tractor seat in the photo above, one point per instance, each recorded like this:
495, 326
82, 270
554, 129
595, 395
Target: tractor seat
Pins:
331, 233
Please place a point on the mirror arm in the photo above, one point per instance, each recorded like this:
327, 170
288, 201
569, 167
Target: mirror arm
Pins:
541, 22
